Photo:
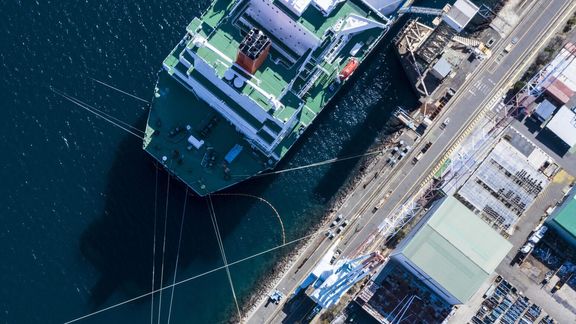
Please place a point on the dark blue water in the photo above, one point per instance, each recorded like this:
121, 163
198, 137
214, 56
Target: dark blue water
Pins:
78, 196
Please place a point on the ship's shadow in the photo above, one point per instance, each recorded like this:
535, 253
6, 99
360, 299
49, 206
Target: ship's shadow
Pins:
119, 243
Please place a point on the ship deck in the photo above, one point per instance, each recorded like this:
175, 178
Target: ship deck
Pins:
177, 106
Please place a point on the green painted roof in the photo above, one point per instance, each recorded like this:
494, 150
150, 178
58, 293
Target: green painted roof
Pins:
457, 249
566, 216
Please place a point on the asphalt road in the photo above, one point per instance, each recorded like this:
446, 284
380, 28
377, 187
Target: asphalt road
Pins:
482, 90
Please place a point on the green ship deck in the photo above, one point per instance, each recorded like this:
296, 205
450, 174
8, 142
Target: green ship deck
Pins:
211, 132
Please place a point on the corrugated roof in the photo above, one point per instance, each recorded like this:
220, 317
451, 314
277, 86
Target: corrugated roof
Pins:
442, 68
460, 14
563, 124
545, 110
566, 217
457, 249
559, 91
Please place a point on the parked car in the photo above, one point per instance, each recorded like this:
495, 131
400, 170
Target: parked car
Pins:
527, 248
538, 234
445, 123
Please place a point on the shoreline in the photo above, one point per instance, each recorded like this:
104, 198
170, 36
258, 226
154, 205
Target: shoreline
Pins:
357, 174
272, 277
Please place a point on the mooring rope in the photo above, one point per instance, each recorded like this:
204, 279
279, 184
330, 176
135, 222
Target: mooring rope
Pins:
154, 246
164, 248
96, 112
194, 277
119, 90
334, 160
221, 246
177, 254
264, 201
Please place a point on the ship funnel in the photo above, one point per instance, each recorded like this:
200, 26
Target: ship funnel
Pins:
253, 50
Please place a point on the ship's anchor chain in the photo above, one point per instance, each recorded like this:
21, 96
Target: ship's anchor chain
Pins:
264, 201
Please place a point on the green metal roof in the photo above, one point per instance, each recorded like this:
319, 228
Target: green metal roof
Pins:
457, 249
566, 216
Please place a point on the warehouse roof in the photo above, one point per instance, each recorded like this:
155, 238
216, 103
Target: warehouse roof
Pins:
457, 249
460, 14
566, 216
545, 110
442, 68
563, 124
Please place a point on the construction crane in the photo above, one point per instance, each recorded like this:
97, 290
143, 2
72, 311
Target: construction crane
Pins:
534, 88
477, 46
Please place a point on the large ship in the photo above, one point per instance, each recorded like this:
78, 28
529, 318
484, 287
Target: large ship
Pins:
249, 77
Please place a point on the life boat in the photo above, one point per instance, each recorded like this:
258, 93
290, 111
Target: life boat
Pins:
347, 71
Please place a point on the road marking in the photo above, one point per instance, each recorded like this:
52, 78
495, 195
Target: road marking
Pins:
447, 153
508, 75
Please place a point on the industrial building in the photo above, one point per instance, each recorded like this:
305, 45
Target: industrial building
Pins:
561, 81
422, 48
544, 111
460, 14
563, 126
563, 219
452, 251
396, 295
506, 182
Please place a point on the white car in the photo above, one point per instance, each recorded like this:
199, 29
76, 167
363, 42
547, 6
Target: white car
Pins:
445, 123
526, 248
538, 234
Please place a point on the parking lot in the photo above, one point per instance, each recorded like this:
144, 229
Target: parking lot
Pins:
504, 303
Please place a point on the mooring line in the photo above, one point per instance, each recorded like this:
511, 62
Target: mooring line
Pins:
154, 246
177, 254
264, 201
72, 100
100, 111
119, 90
164, 248
221, 246
334, 160
194, 277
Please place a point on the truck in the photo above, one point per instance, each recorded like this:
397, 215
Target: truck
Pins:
378, 205
417, 158
421, 153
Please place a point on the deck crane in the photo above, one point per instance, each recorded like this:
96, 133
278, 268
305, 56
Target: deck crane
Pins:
423, 10
484, 11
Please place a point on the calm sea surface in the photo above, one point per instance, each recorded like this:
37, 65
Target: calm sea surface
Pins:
77, 195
